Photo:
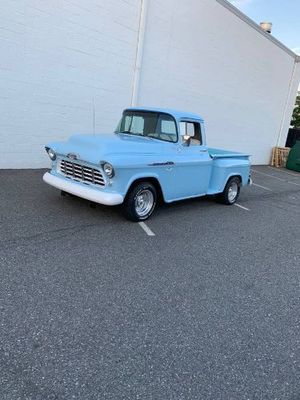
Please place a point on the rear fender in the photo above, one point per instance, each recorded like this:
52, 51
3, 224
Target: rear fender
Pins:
231, 176
224, 169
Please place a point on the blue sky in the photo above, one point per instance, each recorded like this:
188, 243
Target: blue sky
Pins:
285, 15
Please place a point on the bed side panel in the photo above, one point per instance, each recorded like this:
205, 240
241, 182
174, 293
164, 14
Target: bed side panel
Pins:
224, 168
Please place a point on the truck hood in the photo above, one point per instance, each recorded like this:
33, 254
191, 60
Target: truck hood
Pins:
105, 147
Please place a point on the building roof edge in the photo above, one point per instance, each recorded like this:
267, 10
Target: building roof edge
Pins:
255, 26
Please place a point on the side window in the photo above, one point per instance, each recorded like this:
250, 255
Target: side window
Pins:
191, 132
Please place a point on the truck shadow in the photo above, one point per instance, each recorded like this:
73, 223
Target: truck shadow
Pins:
114, 213
188, 204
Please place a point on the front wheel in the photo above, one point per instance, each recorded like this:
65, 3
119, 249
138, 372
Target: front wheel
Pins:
140, 202
231, 192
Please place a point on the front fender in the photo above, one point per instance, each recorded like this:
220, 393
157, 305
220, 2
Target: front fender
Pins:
143, 175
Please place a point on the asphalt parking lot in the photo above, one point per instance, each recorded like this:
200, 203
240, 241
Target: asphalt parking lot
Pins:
202, 302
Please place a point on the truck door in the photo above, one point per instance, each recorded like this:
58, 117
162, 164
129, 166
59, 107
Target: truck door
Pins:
193, 164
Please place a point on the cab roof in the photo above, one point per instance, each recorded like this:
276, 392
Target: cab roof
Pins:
174, 113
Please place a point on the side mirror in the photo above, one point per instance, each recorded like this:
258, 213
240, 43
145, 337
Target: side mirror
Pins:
187, 131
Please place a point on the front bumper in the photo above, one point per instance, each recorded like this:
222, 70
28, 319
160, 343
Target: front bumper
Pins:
108, 199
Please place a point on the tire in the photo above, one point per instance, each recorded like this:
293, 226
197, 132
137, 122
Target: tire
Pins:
140, 202
231, 192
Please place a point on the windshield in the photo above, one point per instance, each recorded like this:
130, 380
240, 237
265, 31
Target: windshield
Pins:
148, 124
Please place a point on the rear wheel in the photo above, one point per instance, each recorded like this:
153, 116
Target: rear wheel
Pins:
231, 192
140, 202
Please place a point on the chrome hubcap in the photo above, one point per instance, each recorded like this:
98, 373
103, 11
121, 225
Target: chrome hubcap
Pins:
233, 191
144, 202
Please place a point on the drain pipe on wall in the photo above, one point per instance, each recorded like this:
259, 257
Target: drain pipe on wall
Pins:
291, 84
139, 52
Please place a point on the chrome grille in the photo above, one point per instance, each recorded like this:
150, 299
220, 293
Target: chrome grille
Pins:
81, 173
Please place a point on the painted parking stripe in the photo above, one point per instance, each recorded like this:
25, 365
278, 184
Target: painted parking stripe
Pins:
271, 176
276, 177
284, 172
146, 229
262, 187
242, 207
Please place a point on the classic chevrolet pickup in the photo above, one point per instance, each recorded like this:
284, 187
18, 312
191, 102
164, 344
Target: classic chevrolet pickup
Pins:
154, 154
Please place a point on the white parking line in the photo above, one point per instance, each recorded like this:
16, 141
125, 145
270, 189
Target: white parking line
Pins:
284, 172
271, 176
262, 187
146, 229
276, 177
244, 208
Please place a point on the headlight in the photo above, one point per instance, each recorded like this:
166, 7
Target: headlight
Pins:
108, 169
51, 153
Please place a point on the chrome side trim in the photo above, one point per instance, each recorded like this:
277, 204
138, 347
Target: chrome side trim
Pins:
161, 164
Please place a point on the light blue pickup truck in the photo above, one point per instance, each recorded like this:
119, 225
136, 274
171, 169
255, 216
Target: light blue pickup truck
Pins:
154, 154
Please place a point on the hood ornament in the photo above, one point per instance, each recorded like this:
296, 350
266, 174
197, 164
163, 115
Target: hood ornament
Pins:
73, 156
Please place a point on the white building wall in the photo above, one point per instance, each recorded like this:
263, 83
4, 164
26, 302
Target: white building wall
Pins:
67, 66
59, 61
201, 57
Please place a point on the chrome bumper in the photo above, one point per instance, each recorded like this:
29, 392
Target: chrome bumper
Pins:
88, 193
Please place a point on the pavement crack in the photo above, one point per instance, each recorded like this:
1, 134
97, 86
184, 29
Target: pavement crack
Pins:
27, 240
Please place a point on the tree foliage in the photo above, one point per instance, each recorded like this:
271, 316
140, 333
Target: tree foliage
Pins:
296, 114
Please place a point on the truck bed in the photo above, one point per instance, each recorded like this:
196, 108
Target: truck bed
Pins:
219, 153
226, 164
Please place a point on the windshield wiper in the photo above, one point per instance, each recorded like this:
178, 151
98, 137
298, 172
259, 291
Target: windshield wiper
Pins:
135, 134
131, 133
